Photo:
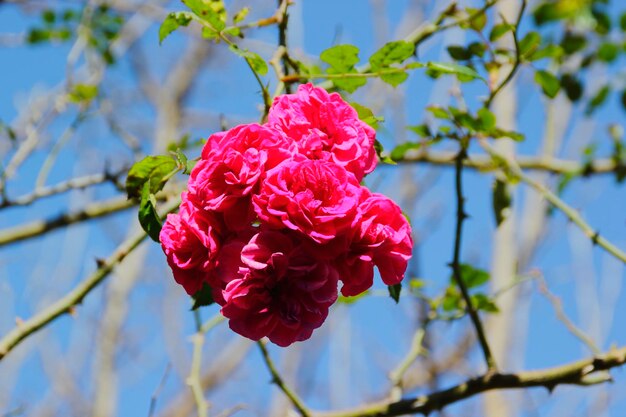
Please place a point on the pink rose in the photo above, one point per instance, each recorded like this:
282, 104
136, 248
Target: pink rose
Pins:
382, 238
325, 127
314, 197
232, 165
281, 291
190, 242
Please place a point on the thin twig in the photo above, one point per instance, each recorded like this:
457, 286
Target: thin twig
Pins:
68, 303
280, 383
39, 227
77, 183
159, 388
517, 62
541, 163
415, 351
584, 372
513, 169
456, 264
557, 304
193, 380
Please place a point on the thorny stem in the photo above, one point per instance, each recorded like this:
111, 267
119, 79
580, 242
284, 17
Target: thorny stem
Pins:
517, 62
280, 383
456, 265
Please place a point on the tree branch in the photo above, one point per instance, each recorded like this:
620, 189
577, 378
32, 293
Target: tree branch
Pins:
583, 372
456, 262
67, 304
542, 163
512, 168
39, 227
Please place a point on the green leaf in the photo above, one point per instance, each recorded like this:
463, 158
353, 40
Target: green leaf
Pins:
482, 302
241, 15
549, 51
453, 68
438, 112
399, 151
573, 43
624, 99
501, 133
501, 201
608, 52
394, 78
529, 44
394, 292
150, 170
366, 115
342, 58
83, 93
202, 298
342, 299
499, 30
597, 100
209, 11
172, 22
622, 22
479, 21
148, 216
395, 52
473, 277
487, 119
451, 300
349, 84
257, 63
572, 86
48, 16
550, 85
459, 52
421, 130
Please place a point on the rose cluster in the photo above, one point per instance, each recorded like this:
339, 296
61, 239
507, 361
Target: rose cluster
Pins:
275, 219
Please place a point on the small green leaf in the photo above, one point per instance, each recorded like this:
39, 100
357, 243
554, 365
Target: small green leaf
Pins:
257, 63
453, 68
549, 51
241, 15
597, 100
367, 116
624, 99
438, 112
394, 292
148, 216
473, 277
459, 52
172, 22
608, 52
211, 12
421, 130
82, 93
342, 299
572, 86
529, 44
150, 170
341, 57
400, 151
394, 78
451, 301
48, 16
482, 302
499, 30
622, 22
480, 19
501, 201
487, 119
573, 43
550, 85
395, 52
203, 298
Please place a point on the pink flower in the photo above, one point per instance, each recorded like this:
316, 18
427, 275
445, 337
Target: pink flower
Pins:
317, 198
325, 127
281, 291
190, 242
382, 238
232, 165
